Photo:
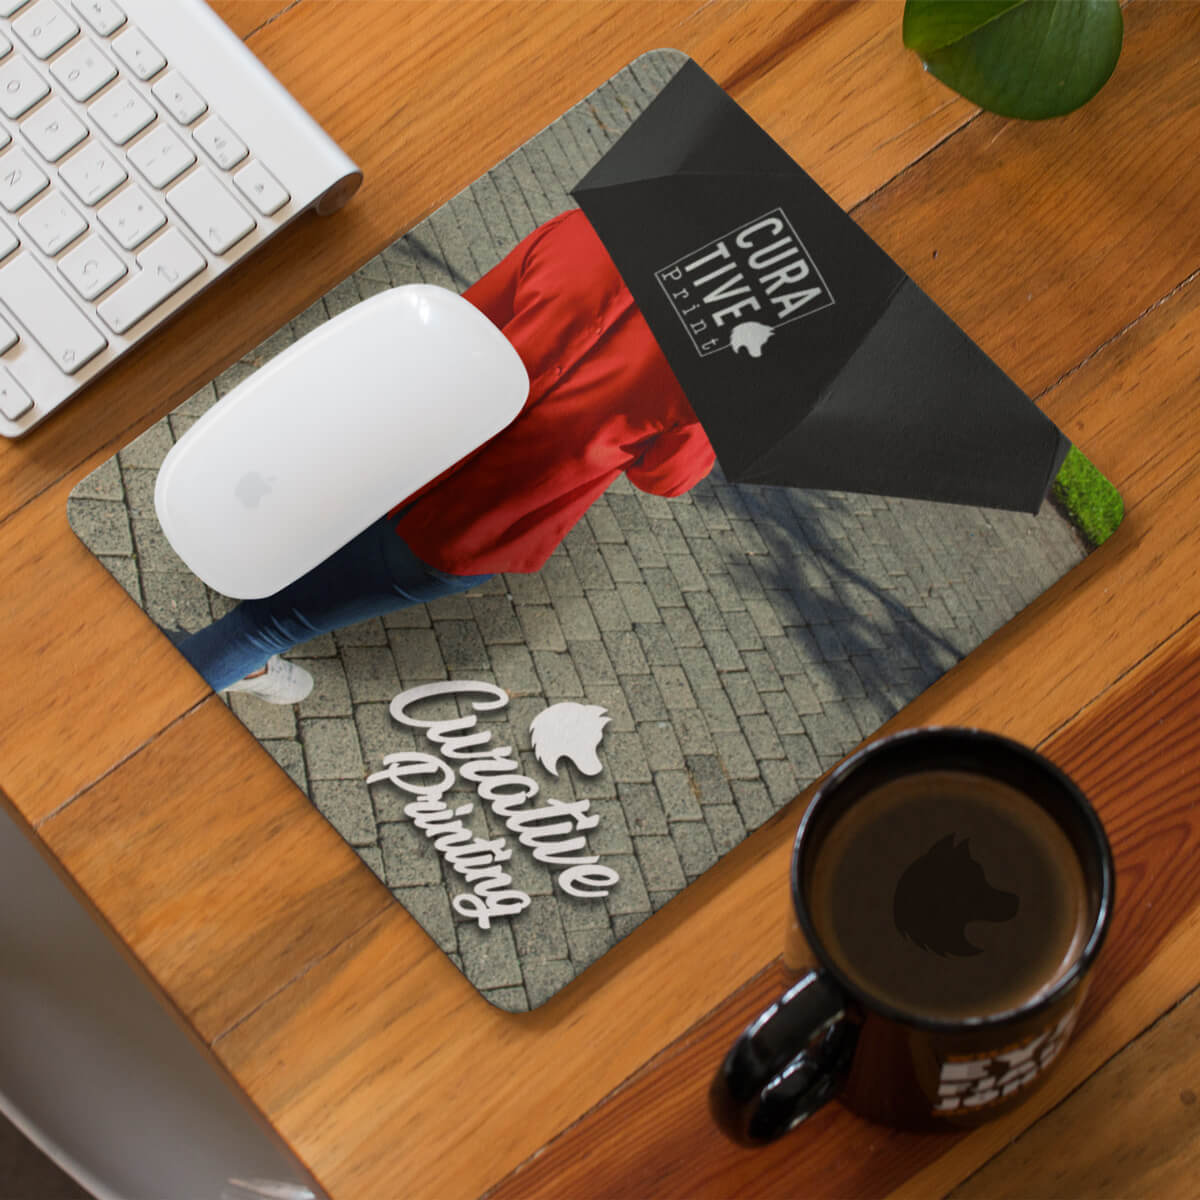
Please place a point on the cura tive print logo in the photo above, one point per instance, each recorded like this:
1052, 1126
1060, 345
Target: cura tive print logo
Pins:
734, 292
941, 893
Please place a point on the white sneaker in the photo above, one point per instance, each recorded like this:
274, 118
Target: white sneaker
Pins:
283, 683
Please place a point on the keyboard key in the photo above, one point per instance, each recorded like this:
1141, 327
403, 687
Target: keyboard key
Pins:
20, 179
15, 401
261, 188
45, 28
53, 224
49, 316
21, 87
131, 217
121, 112
5, 45
83, 70
103, 16
179, 98
53, 130
8, 7
139, 54
209, 211
161, 157
8, 336
166, 266
220, 142
8, 241
91, 268
92, 173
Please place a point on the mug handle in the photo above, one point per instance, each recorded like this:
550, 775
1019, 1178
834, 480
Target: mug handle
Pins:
788, 1062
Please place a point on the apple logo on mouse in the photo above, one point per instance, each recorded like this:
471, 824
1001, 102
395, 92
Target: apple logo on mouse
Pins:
941, 893
252, 487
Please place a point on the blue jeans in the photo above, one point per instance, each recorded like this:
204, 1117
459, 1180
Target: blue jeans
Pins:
373, 574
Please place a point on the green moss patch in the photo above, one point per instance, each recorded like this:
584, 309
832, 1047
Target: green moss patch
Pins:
1091, 502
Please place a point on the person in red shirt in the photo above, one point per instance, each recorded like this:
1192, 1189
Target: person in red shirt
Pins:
602, 402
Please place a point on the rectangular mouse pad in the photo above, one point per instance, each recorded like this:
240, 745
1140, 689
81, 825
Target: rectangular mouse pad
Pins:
657, 655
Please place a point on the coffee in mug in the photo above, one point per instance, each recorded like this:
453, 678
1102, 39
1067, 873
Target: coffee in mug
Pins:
953, 888
949, 894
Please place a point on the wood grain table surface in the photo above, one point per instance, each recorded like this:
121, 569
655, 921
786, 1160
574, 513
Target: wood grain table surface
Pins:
1069, 250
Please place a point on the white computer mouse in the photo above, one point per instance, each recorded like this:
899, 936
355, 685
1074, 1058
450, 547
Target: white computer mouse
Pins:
332, 433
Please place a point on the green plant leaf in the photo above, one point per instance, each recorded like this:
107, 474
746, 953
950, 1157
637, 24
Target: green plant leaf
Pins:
931, 24
1031, 59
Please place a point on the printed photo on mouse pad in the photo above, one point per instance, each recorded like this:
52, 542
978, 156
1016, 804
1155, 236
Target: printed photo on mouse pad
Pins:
647, 487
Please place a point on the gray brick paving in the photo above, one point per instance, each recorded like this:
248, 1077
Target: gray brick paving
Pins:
742, 639
726, 826
265, 721
543, 979
373, 857
124, 571
695, 847
344, 803
103, 525
491, 954
289, 754
330, 696
331, 748
408, 858
612, 836
430, 904
511, 999
586, 945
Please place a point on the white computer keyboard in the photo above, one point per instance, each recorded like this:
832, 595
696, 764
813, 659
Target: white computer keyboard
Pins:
143, 151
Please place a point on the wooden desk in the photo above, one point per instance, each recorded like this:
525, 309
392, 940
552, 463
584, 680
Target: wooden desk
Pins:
1069, 250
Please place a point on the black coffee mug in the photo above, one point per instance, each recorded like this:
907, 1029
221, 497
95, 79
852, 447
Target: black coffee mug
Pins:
970, 845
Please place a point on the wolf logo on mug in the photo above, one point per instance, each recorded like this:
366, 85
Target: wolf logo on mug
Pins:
941, 893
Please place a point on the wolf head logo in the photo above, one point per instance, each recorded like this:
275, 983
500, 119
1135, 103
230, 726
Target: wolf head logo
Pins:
750, 336
572, 731
941, 893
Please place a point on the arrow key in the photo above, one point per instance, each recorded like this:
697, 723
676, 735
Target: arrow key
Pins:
166, 265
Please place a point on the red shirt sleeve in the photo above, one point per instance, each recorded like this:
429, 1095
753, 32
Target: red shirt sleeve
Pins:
495, 293
674, 462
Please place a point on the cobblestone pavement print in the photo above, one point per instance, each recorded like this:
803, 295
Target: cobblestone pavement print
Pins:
742, 639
